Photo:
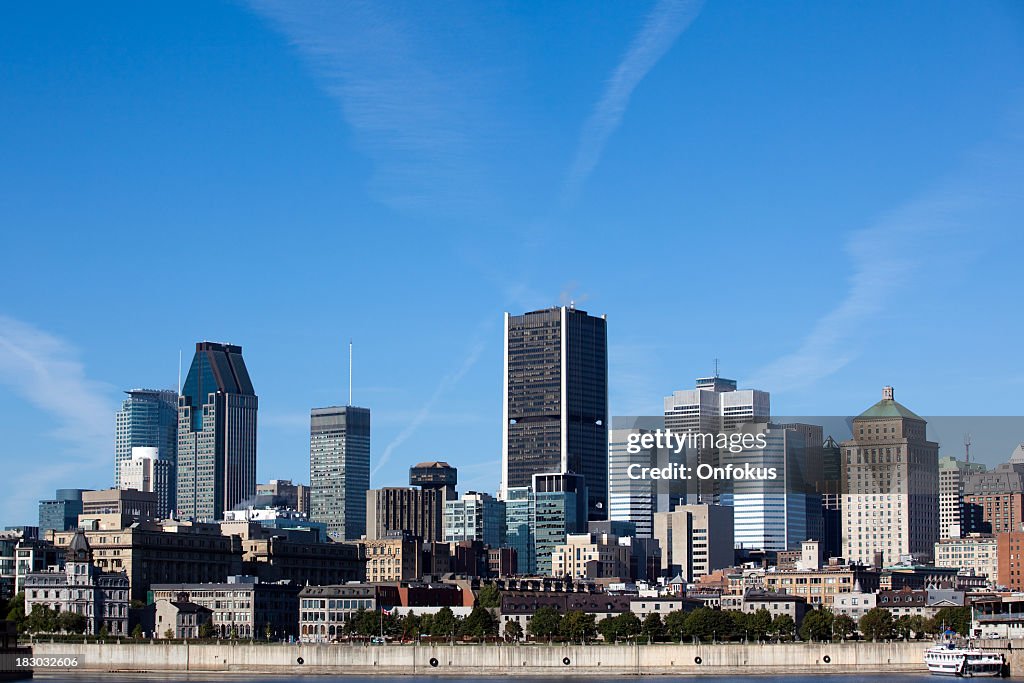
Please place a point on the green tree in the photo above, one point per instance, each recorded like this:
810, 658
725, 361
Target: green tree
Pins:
513, 631
918, 625
444, 624
700, 623
675, 624
652, 626
760, 624
207, 630
844, 626
783, 626
104, 631
16, 608
901, 627
480, 623
877, 624
489, 596
169, 633
740, 623
628, 625
41, 620
609, 628
545, 623
578, 627
956, 618
137, 631
363, 623
817, 625
71, 622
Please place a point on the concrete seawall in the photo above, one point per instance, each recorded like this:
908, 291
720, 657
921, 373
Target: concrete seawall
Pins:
607, 660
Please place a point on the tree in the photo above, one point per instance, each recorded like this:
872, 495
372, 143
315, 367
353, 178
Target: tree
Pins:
740, 623
41, 620
759, 624
700, 623
169, 633
918, 625
675, 624
579, 627
137, 631
652, 626
489, 596
104, 631
609, 628
955, 618
480, 623
901, 627
844, 626
877, 624
364, 623
71, 622
545, 623
628, 625
817, 625
207, 630
444, 624
783, 626
16, 609
513, 631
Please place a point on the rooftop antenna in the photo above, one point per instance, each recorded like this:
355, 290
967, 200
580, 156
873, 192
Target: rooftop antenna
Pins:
716, 368
179, 372
967, 447
350, 371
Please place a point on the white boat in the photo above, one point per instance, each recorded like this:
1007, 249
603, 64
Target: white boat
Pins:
949, 659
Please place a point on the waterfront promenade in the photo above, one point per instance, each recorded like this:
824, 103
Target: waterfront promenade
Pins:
495, 659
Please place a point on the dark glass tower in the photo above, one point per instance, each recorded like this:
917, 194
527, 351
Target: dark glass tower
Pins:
556, 400
216, 433
148, 418
339, 469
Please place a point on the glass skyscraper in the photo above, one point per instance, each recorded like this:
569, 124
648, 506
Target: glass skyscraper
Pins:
555, 407
216, 433
339, 469
148, 419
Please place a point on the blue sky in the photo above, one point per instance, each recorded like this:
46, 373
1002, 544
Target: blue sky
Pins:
825, 196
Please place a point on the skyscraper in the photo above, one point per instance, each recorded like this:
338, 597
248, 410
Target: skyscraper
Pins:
148, 418
216, 433
555, 406
339, 469
891, 484
147, 472
953, 475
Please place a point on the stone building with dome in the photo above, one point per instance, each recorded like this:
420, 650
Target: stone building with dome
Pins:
81, 587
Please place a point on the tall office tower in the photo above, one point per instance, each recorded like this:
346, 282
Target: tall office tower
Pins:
891, 485
831, 499
953, 475
994, 500
555, 406
776, 513
417, 511
559, 509
435, 475
339, 469
216, 433
285, 493
695, 540
475, 517
714, 406
519, 526
145, 471
631, 497
148, 419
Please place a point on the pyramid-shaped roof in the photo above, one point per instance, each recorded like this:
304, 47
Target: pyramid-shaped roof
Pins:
889, 408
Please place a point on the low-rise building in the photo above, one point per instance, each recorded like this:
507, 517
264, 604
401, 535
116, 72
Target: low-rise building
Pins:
854, 604
242, 606
82, 588
179, 618
395, 557
974, 554
821, 586
998, 616
324, 611
591, 556
777, 604
302, 562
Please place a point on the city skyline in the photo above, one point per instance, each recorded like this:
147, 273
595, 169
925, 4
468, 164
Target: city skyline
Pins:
837, 161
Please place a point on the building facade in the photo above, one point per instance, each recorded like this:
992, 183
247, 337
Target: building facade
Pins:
891, 476
953, 476
82, 588
591, 556
241, 607
61, 513
216, 434
284, 493
695, 539
993, 501
417, 511
435, 475
145, 471
974, 554
555, 402
148, 418
475, 517
559, 509
339, 469
519, 527
396, 557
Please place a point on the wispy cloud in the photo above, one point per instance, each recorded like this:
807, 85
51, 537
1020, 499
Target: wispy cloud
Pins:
412, 109
447, 383
929, 236
661, 28
45, 371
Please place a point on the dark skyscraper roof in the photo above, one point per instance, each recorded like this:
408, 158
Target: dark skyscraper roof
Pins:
215, 368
